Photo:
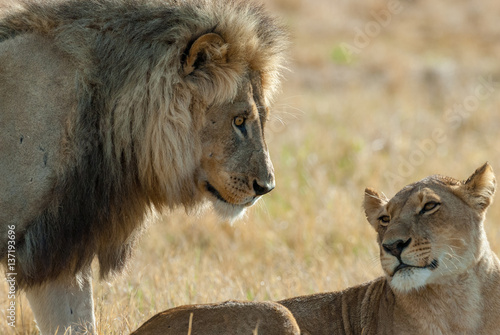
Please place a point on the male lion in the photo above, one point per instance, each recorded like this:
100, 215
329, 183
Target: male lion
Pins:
441, 275
111, 107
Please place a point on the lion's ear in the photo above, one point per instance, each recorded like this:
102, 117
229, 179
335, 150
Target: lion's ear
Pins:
479, 188
208, 48
373, 203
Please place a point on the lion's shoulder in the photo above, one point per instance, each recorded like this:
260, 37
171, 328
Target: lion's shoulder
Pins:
32, 127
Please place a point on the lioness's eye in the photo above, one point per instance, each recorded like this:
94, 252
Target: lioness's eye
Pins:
429, 206
239, 121
384, 220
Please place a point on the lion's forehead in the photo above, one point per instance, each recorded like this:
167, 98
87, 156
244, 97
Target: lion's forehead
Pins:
414, 194
251, 93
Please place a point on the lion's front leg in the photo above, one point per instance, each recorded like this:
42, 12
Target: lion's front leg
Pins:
63, 304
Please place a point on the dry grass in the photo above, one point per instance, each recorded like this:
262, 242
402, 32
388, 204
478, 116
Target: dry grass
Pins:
385, 117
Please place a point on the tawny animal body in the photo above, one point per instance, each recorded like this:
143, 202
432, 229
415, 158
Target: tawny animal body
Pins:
441, 275
227, 318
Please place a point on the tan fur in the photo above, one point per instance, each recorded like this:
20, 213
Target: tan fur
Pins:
452, 284
227, 318
109, 108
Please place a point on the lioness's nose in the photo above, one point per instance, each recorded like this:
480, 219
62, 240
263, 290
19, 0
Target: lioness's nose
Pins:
396, 248
262, 188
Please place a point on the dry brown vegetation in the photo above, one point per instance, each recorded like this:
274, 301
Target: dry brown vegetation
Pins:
409, 101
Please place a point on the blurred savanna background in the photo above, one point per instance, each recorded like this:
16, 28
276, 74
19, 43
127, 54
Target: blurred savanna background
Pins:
379, 93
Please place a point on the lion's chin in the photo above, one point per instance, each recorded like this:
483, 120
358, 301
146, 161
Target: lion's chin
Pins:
224, 209
227, 211
409, 279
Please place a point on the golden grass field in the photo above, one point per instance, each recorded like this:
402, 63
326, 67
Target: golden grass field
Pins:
365, 103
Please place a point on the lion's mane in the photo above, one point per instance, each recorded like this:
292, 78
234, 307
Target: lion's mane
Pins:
134, 140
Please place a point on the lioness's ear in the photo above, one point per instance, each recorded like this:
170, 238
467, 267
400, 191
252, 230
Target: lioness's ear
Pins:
372, 204
478, 190
207, 48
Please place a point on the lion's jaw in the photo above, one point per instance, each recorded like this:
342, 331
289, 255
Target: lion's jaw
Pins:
235, 169
431, 232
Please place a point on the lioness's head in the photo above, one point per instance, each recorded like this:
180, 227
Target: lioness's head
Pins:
235, 168
431, 231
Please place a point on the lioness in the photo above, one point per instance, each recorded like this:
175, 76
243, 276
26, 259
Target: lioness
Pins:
109, 108
441, 276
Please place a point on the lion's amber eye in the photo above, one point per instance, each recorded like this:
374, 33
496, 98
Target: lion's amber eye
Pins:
429, 206
239, 121
384, 220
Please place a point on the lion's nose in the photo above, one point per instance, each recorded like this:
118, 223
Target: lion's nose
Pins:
262, 188
396, 248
